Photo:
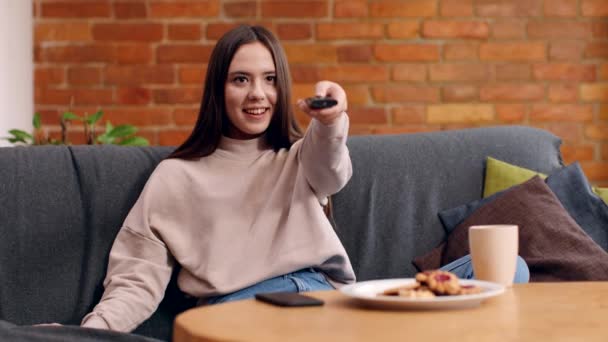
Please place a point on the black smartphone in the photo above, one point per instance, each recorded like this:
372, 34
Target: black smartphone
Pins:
319, 102
288, 299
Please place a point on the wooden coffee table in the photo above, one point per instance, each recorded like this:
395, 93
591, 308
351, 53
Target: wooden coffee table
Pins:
573, 311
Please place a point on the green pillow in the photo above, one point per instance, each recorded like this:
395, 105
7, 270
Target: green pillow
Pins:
501, 176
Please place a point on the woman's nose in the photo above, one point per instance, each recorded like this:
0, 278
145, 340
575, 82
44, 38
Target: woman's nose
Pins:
256, 92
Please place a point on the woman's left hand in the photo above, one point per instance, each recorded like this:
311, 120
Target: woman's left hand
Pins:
329, 115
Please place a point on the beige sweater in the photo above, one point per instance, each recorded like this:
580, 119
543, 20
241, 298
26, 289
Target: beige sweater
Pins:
232, 219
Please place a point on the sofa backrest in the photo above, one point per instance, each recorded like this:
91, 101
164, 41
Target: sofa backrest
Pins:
387, 214
61, 208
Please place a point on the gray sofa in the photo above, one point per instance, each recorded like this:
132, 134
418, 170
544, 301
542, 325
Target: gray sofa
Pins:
61, 207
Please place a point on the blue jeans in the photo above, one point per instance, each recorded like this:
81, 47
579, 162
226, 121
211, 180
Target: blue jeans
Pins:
307, 279
463, 268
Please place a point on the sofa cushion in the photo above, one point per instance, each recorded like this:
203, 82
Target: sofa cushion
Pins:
553, 245
387, 213
573, 191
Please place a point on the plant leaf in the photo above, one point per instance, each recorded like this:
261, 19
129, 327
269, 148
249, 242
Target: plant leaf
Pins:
70, 116
36, 120
134, 141
122, 131
91, 120
19, 134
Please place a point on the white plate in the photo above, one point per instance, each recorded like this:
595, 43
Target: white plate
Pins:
366, 293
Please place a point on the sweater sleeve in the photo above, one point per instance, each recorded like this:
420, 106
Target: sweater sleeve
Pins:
139, 268
324, 157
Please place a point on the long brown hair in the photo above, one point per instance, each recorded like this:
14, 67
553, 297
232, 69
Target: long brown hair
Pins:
283, 129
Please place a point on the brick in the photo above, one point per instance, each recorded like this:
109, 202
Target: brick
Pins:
216, 30
139, 116
566, 50
511, 113
509, 29
304, 73
409, 114
133, 54
49, 75
456, 8
48, 96
561, 93
456, 113
564, 72
403, 29
559, 30
93, 96
294, 9
194, 74
355, 73
141, 74
76, 9
594, 92
191, 9
577, 152
359, 130
130, 10
402, 9
600, 29
605, 153
512, 92
241, 9
458, 72
177, 96
513, 72
358, 95
301, 91
350, 8
409, 129
317, 53
455, 29
569, 132
185, 116
184, 32
172, 53
409, 72
461, 51
603, 73
596, 50
367, 115
561, 113
326, 31
508, 8
406, 52
74, 136
128, 32
294, 31
63, 31
604, 112
521, 51
594, 8
354, 53
595, 171
560, 8
84, 75
133, 96
173, 137
460, 93
79, 53
405, 93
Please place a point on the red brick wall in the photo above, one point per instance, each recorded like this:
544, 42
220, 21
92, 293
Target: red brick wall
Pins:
408, 66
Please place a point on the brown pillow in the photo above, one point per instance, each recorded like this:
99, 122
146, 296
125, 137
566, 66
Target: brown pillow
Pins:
552, 244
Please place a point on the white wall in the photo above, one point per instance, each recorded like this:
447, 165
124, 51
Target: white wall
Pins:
16, 66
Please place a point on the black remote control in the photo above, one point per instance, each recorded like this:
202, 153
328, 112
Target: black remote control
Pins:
319, 102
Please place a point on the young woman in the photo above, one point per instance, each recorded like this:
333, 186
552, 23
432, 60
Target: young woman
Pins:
239, 205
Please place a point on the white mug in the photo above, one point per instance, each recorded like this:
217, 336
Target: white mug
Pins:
494, 250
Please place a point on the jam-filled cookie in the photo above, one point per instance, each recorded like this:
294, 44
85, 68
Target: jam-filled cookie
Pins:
440, 282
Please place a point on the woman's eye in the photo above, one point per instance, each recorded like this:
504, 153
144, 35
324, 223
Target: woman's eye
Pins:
271, 79
239, 79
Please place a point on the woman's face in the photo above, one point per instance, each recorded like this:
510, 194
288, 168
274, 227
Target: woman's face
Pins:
250, 91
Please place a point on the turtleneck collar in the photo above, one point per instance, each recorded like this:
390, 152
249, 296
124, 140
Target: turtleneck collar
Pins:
242, 149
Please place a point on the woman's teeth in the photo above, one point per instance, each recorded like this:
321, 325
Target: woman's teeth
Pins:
255, 111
